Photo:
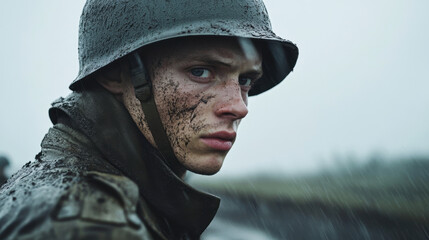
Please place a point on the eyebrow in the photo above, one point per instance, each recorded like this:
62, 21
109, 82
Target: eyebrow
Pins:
210, 60
213, 61
254, 73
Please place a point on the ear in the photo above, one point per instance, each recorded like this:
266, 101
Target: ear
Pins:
111, 80
113, 86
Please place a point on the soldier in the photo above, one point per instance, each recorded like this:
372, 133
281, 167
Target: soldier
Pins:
161, 90
3, 165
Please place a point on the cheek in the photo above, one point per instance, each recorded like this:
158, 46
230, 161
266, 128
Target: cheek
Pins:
182, 110
174, 104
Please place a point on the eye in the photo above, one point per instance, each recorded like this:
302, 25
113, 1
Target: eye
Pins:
200, 72
245, 81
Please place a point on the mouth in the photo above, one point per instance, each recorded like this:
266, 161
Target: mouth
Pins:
221, 141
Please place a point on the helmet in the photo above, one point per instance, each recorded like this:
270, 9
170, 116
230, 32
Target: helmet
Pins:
112, 29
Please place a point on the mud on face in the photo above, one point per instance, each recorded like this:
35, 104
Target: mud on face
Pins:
180, 110
200, 87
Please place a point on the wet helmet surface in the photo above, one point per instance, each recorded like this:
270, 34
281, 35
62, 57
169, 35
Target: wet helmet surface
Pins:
112, 29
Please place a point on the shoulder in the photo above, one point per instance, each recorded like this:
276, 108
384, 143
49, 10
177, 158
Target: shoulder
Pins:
93, 205
100, 197
103, 206
29, 196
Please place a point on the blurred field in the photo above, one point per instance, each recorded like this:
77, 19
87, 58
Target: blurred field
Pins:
378, 200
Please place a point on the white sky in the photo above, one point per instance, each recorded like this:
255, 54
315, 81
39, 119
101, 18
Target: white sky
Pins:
360, 85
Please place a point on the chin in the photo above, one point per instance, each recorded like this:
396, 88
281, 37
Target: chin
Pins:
209, 167
206, 172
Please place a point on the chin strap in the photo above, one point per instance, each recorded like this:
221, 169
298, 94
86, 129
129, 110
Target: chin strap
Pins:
143, 90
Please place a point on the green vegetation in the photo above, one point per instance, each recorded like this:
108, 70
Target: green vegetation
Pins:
398, 189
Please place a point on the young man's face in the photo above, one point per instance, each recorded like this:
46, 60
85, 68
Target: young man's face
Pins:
201, 88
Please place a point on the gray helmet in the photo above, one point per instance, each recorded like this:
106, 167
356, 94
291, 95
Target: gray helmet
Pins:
112, 29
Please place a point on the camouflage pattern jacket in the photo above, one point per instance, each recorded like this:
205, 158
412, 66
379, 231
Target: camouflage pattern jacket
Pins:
97, 177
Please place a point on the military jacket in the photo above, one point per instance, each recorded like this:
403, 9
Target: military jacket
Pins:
97, 177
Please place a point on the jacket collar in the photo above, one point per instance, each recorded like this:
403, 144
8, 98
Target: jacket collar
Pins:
107, 123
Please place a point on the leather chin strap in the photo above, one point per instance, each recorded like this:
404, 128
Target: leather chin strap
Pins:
143, 90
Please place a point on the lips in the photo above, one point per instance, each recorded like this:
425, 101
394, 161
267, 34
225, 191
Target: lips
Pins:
221, 141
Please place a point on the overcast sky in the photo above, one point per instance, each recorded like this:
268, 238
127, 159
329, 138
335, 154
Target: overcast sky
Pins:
361, 84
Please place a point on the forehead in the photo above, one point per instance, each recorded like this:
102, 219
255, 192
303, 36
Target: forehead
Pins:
225, 48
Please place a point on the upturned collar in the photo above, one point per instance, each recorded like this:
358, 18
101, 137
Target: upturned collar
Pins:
105, 121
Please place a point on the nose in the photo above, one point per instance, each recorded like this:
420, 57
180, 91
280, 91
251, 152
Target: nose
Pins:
232, 103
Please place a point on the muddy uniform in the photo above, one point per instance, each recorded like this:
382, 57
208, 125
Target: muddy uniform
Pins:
97, 177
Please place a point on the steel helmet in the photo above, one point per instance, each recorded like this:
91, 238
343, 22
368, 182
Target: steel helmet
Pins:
112, 29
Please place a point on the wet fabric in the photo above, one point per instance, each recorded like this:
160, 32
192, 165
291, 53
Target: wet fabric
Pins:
97, 177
